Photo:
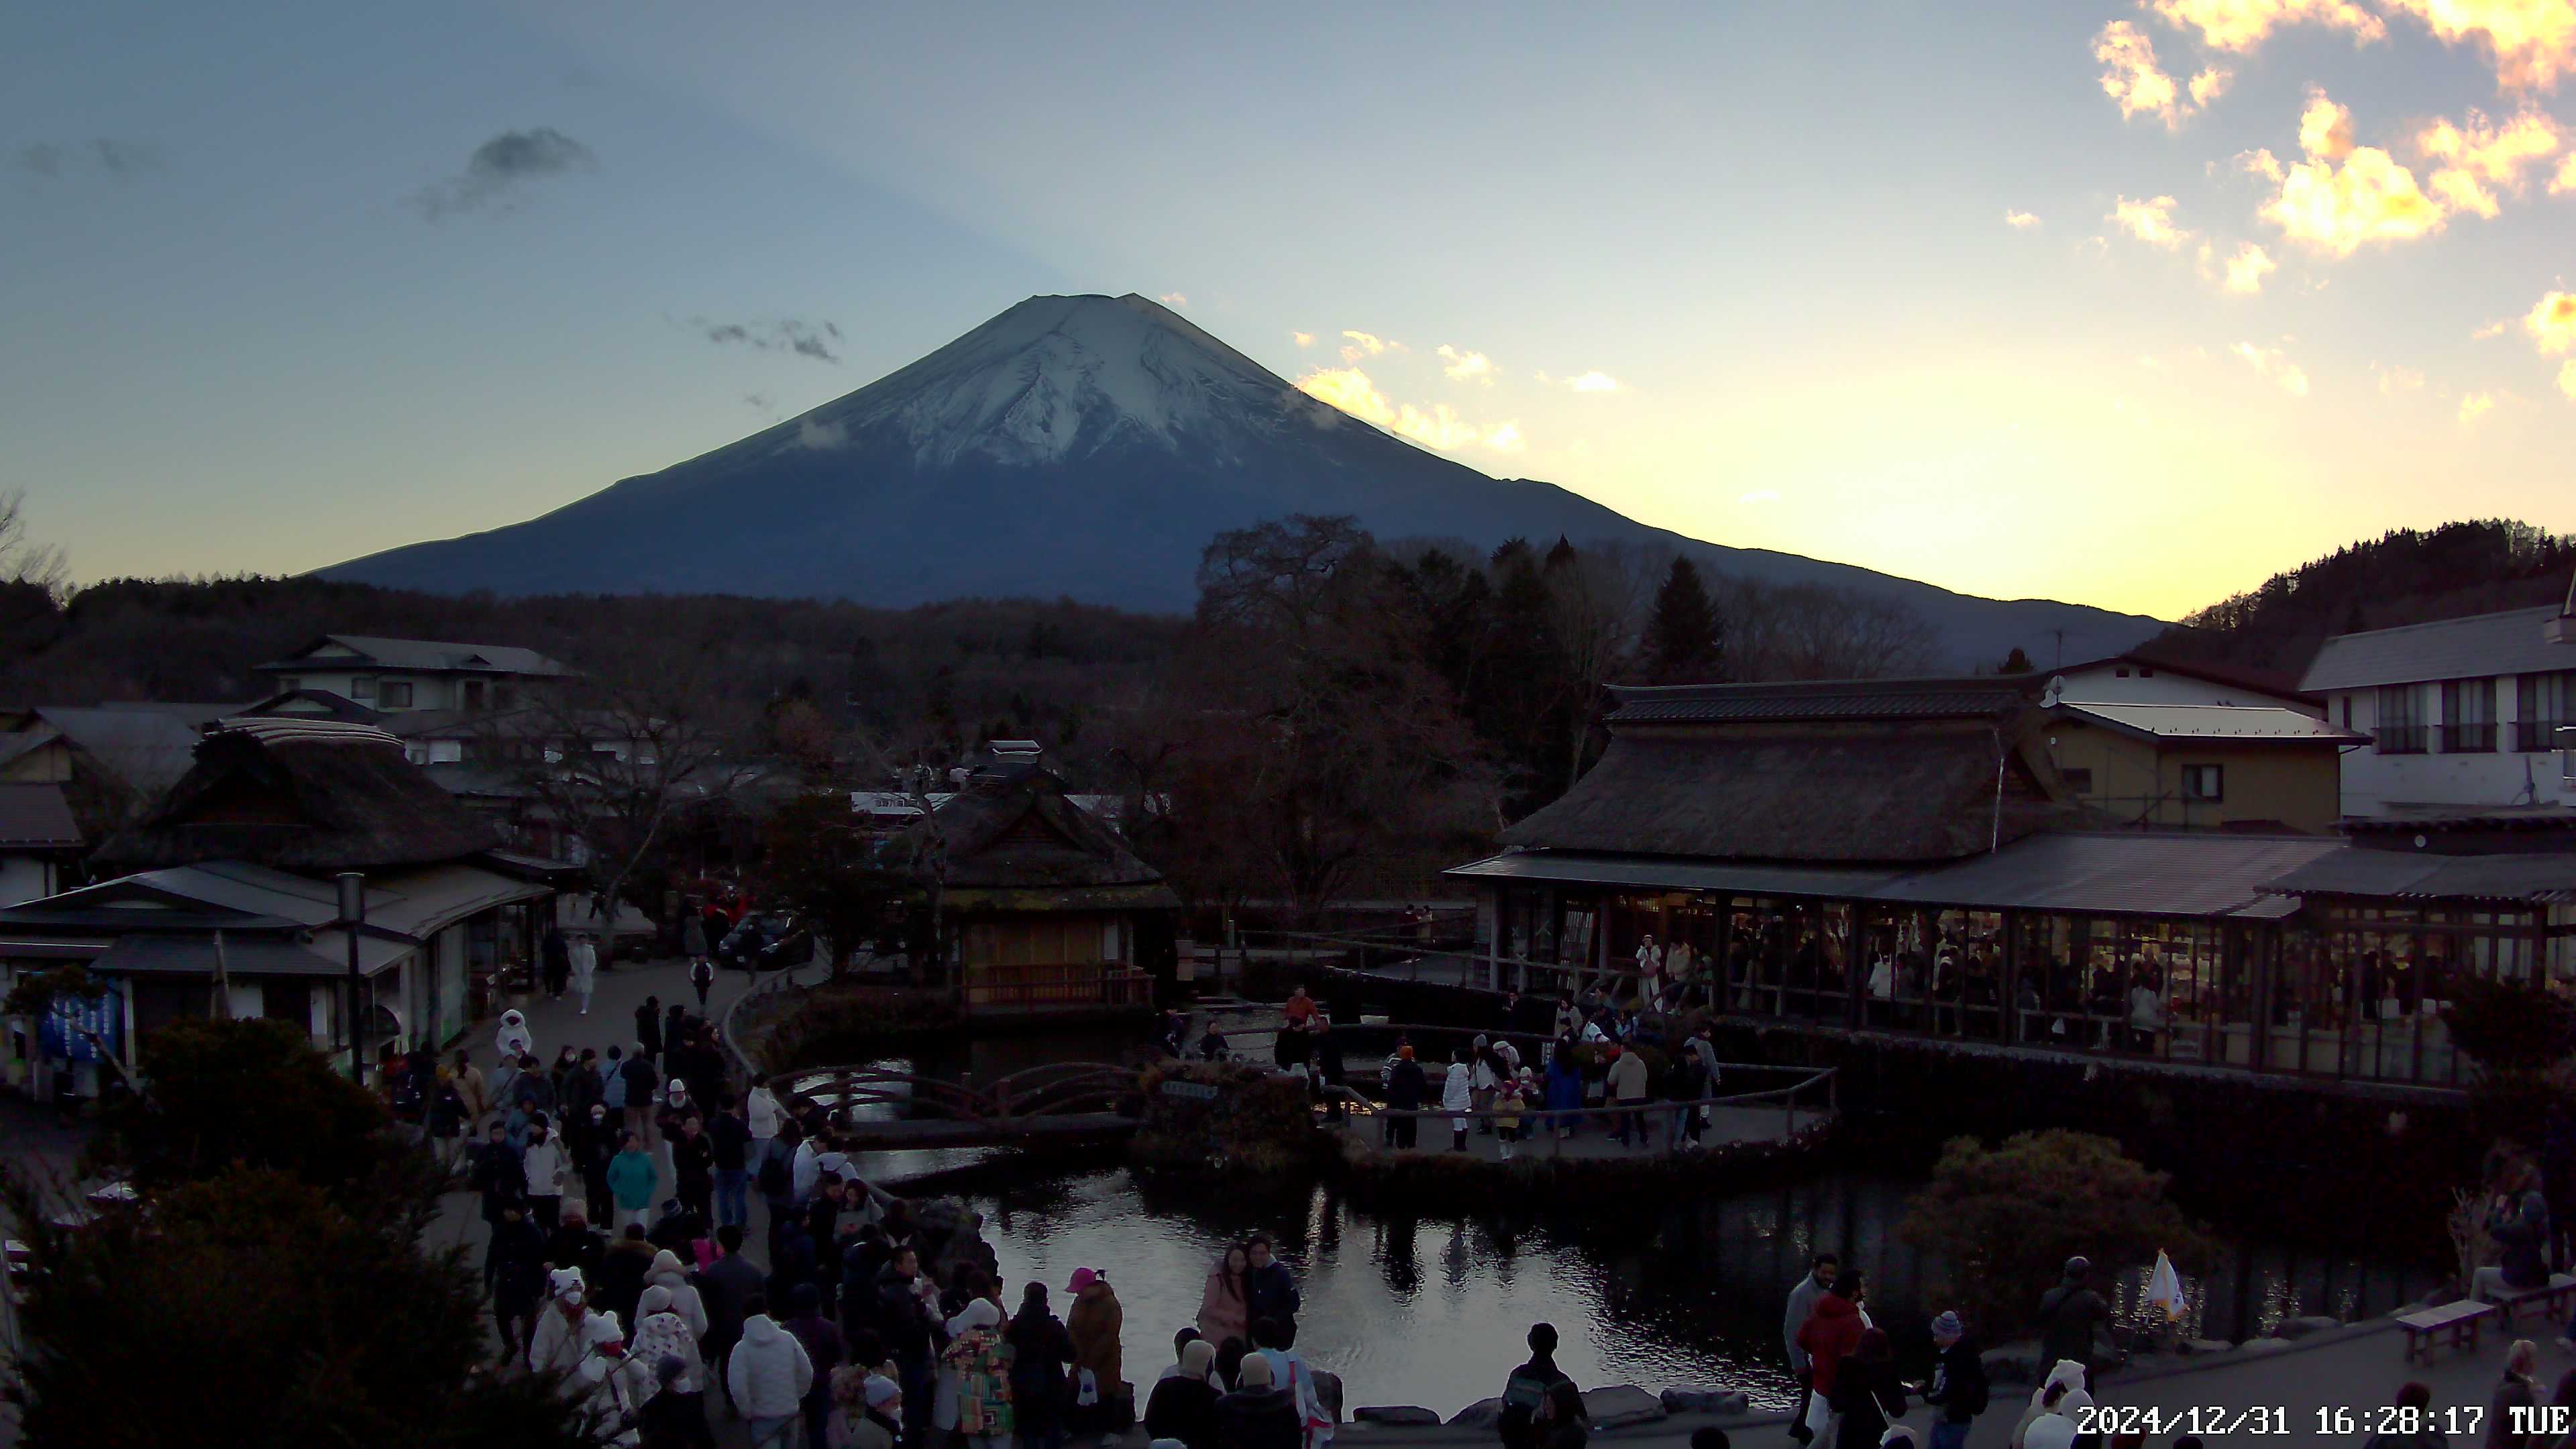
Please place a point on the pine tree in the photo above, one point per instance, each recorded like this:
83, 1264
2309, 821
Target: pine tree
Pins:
1683, 643
2016, 663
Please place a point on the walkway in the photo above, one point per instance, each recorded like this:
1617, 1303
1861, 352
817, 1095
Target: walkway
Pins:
1596, 1143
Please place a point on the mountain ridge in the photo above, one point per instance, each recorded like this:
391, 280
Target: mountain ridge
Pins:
1089, 447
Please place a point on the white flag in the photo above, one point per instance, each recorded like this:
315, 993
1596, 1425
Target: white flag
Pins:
2164, 1288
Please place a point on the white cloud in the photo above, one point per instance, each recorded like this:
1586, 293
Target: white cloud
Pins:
1302, 339
2260, 162
2020, 220
2475, 406
1362, 344
2150, 221
816, 437
2492, 329
2567, 379
2246, 270
2333, 209
2394, 380
2479, 157
1466, 366
2530, 42
2240, 25
2131, 77
1594, 382
1174, 299
2552, 323
1439, 426
2208, 85
2274, 365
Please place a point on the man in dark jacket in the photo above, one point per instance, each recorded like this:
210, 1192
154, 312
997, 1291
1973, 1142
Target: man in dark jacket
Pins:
724, 1286
910, 1334
824, 1348
642, 1082
730, 1130
1405, 1088
497, 1172
514, 1264
648, 1026
558, 963
2068, 1315
573, 1245
1528, 1388
1258, 1414
620, 1280
1270, 1286
1958, 1388
863, 1257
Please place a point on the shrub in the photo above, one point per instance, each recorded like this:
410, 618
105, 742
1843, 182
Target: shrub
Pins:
2508, 1026
1260, 1121
832, 1026
2004, 1220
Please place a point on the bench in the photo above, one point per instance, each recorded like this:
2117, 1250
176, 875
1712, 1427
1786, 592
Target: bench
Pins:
2460, 1321
2556, 1297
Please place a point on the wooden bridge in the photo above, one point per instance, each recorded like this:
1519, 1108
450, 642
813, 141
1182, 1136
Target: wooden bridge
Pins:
1066, 1104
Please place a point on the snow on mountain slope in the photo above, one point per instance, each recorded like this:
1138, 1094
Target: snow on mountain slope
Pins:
1086, 447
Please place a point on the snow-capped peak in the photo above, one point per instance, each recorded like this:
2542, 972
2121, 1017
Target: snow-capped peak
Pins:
1060, 377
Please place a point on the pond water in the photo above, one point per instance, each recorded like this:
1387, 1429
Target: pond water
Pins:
1432, 1309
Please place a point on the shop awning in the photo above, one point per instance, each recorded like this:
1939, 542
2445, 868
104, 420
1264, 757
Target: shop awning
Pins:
2536, 879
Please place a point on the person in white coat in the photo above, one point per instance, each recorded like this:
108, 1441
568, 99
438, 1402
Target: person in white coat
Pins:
659, 1330
562, 1334
1458, 1094
767, 1376
611, 1383
760, 1109
585, 971
545, 1167
513, 1041
670, 1275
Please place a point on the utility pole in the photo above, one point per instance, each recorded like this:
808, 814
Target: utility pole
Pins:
353, 916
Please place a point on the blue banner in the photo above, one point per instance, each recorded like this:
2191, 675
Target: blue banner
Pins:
76, 1030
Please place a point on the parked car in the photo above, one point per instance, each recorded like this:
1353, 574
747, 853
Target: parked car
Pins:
765, 941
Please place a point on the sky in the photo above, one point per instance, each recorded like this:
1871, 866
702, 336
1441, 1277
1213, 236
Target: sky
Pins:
2124, 302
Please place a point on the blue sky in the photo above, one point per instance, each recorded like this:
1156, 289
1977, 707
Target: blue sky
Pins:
266, 313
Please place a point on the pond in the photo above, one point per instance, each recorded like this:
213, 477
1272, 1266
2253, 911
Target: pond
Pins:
1432, 1309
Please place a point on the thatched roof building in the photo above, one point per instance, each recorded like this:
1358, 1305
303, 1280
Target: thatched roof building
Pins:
311, 797
1841, 772
1017, 831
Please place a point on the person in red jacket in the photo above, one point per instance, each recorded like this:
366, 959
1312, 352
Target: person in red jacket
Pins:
1833, 1330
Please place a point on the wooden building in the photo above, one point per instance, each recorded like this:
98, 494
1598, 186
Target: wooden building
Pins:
1904, 857
1042, 907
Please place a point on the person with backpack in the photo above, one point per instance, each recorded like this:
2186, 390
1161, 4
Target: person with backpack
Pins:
1041, 1349
1958, 1388
775, 1173
702, 978
642, 1082
1526, 1390
2069, 1315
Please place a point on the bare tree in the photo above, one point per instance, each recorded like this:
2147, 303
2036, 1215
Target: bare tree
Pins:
1597, 601
22, 559
1816, 631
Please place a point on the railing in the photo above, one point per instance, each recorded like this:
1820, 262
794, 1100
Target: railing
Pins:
2469, 739
1056, 1090
2538, 736
2399, 739
1047, 984
1536, 1118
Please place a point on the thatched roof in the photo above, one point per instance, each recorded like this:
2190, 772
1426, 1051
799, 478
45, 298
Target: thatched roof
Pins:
1907, 790
1016, 830
302, 796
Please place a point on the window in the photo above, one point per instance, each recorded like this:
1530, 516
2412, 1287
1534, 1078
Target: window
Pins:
2468, 716
362, 686
473, 692
289, 685
2543, 703
394, 694
2120, 673
2204, 782
2079, 781
2401, 720
446, 752
2346, 701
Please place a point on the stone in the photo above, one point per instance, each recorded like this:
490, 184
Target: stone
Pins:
2303, 1326
1403, 1416
1704, 1401
2013, 1363
1481, 1414
1622, 1406
2197, 1346
2263, 1345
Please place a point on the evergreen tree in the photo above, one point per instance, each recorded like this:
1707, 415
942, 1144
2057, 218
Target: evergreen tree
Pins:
2015, 663
1683, 640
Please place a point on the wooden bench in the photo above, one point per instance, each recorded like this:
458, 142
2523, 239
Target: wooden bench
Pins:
2557, 1297
2460, 1321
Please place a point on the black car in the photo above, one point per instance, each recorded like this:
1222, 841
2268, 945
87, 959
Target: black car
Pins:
765, 941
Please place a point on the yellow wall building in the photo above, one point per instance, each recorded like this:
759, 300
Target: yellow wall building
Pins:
2201, 766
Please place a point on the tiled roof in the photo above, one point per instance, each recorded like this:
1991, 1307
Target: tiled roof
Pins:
2266, 723
37, 817
424, 655
2476, 647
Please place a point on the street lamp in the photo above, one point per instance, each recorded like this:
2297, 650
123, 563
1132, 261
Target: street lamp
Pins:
353, 915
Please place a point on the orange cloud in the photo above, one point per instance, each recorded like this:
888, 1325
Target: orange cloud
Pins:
2478, 157
2273, 364
1362, 345
2394, 380
2567, 379
2150, 221
2208, 85
2475, 406
2552, 323
2531, 42
2331, 209
1303, 339
2240, 25
2131, 76
2019, 220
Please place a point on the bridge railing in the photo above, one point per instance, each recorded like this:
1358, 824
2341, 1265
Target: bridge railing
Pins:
1819, 1084
1057, 1089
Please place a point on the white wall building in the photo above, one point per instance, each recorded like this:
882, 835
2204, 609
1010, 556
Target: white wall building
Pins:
392, 676
2464, 714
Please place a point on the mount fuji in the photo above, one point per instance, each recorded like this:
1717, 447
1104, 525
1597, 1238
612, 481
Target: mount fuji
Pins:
1086, 447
